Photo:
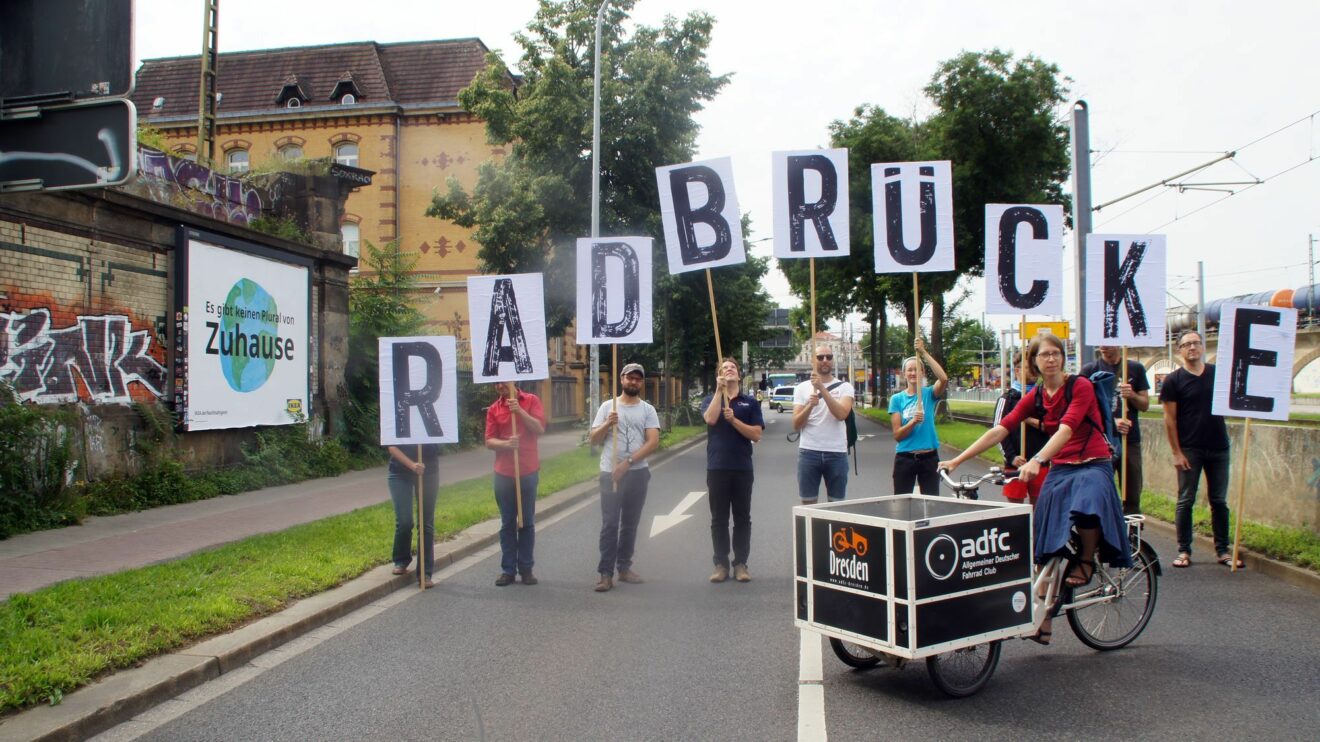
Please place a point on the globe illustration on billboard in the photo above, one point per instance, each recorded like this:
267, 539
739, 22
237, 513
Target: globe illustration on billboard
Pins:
251, 311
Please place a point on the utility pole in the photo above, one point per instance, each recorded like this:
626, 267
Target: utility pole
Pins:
206, 93
1081, 164
1310, 267
1200, 299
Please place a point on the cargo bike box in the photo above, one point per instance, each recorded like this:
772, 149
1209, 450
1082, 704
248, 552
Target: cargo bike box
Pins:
913, 576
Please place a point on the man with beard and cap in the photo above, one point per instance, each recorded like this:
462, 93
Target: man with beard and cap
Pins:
820, 407
624, 474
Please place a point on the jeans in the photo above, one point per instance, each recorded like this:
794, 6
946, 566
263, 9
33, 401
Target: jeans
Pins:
516, 543
1215, 466
730, 490
812, 466
916, 468
620, 512
1132, 503
403, 493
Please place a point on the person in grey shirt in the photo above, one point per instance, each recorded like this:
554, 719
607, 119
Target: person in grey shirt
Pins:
624, 474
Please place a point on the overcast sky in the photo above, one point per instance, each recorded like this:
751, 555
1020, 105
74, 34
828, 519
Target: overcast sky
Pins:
1169, 85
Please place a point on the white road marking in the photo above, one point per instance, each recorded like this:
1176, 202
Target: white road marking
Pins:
811, 690
662, 523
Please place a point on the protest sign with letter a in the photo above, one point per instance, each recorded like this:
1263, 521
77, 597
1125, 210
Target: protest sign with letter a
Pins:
913, 207
811, 203
1125, 286
507, 315
703, 227
1254, 365
418, 390
1023, 259
613, 290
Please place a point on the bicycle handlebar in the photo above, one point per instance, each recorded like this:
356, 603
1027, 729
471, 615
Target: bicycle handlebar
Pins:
995, 475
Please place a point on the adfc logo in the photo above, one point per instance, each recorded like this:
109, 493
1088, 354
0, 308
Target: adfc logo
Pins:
249, 336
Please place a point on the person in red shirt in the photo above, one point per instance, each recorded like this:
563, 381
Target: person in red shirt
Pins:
1080, 488
515, 543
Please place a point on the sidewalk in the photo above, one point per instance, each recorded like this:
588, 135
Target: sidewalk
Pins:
119, 542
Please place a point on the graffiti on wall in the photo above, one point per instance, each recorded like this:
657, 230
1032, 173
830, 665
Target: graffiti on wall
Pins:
46, 364
201, 189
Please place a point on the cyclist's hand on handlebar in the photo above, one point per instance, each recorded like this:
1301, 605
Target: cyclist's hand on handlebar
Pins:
948, 466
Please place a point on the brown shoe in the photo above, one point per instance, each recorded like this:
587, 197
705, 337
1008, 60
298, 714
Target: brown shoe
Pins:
428, 584
604, 584
630, 577
527, 577
741, 574
721, 573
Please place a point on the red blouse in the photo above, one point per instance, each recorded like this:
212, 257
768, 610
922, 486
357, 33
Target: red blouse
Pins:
499, 425
1086, 442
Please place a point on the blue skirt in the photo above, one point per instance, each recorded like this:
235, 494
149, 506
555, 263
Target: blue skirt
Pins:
1073, 490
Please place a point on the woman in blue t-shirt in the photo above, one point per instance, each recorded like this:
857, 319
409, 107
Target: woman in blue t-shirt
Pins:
912, 414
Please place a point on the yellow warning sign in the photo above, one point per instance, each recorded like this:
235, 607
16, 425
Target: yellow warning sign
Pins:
1032, 329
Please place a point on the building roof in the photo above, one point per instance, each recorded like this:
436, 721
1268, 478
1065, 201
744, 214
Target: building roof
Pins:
409, 73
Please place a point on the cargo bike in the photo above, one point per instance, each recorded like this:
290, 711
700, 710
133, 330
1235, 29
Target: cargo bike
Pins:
890, 580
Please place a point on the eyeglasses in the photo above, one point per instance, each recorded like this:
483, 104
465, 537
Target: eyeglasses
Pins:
1189, 344
825, 358
1049, 354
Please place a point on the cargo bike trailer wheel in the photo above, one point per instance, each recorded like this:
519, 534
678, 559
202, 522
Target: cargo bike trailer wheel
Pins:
854, 655
964, 672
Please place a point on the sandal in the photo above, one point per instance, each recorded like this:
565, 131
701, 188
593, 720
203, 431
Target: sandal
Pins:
399, 570
1182, 560
1227, 561
1041, 637
1080, 575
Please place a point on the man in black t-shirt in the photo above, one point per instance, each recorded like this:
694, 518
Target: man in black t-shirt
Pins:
1199, 441
1137, 393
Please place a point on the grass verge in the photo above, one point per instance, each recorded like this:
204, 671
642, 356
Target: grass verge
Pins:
1295, 545
60, 638
957, 434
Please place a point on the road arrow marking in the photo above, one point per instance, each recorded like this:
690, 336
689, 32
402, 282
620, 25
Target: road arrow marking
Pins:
663, 523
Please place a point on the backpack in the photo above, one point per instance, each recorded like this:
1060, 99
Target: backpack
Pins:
1105, 386
850, 424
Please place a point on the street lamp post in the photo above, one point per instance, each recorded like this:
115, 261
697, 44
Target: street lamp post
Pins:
595, 192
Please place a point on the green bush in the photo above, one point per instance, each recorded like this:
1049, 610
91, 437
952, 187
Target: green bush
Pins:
36, 466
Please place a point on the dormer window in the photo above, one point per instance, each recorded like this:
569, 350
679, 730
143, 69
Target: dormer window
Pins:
346, 91
291, 94
348, 99
293, 103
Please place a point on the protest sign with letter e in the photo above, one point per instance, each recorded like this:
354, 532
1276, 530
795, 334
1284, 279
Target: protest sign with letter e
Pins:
913, 207
614, 296
507, 315
1253, 376
418, 402
811, 208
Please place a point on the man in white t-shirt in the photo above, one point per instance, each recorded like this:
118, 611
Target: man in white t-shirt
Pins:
820, 407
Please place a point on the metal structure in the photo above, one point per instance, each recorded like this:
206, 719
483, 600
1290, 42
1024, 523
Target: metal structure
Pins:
595, 193
206, 91
1081, 156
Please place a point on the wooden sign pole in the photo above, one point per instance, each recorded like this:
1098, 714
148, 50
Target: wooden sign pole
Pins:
421, 529
916, 333
1022, 380
517, 469
614, 406
719, 350
1123, 459
1242, 493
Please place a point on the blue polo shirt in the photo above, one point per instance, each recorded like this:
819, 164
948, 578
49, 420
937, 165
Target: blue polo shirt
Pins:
726, 448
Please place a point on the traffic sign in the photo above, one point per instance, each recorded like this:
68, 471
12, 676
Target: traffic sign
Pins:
1032, 329
65, 50
81, 145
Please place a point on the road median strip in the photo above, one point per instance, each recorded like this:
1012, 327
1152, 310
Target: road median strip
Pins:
127, 692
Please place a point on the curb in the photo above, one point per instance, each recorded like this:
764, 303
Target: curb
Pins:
125, 694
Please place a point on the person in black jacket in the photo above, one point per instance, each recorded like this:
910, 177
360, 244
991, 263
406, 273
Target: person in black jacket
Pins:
1014, 456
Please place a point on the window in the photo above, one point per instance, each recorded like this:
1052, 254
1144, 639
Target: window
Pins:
347, 154
291, 152
351, 236
238, 161
293, 103
348, 99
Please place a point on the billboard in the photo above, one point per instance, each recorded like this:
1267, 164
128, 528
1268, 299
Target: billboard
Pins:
243, 345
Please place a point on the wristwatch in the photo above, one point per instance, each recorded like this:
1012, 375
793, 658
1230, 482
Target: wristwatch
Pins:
1039, 460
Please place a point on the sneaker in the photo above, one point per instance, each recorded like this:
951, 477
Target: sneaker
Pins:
630, 577
399, 570
528, 578
721, 573
604, 584
504, 579
741, 574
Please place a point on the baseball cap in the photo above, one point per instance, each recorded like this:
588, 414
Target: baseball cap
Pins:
633, 368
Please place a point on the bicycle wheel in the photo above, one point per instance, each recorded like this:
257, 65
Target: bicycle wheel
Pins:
963, 672
1127, 602
854, 655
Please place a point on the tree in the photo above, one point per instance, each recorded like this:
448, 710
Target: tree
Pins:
996, 120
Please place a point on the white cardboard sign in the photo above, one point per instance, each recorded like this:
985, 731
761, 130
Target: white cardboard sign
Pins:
507, 315
811, 203
703, 227
418, 390
1254, 365
1125, 285
613, 290
913, 207
1024, 259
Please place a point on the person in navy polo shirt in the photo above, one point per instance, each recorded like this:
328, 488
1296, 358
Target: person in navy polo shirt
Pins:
734, 423
912, 413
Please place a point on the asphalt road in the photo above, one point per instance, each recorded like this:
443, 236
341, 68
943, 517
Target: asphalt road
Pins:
1226, 656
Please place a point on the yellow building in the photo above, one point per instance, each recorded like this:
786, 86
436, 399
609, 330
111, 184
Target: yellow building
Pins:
389, 108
